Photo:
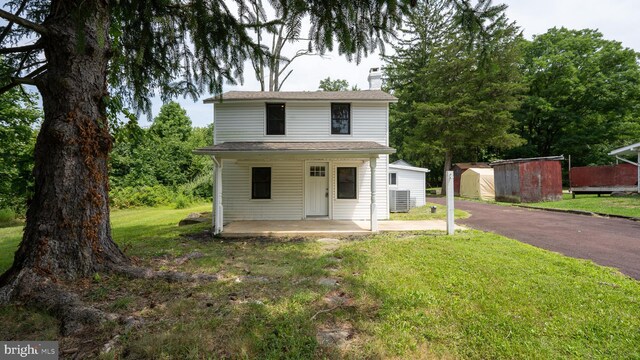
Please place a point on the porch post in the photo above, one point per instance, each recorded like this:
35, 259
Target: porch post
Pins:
374, 210
217, 202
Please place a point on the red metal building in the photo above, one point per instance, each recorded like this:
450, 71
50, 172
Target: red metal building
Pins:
528, 180
604, 179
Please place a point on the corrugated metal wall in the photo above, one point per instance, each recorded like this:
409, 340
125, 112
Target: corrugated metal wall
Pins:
531, 181
540, 181
506, 178
604, 176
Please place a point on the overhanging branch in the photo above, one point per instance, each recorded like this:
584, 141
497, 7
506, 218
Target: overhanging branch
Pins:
18, 49
29, 79
7, 28
23, 22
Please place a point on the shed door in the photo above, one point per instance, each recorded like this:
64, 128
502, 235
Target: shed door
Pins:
317, 189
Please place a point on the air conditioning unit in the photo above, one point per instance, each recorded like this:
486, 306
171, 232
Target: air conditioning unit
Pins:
399, 200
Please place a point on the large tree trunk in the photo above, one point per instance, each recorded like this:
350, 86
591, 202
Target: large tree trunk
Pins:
447, 166
67, 234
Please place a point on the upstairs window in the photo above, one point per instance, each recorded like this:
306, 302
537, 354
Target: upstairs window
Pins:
346, 183
261, 183
340, 119
393, 179
275, 119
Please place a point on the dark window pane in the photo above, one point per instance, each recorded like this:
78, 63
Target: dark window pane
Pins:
393, 179
341, 119
261, 183
346, 183
275, 119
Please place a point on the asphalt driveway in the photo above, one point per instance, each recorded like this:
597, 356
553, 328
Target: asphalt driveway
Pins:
606, 241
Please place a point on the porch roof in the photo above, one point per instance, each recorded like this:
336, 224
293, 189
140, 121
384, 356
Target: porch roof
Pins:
325, 148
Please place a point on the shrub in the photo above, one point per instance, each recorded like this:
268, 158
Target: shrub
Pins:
7, 215
141, 196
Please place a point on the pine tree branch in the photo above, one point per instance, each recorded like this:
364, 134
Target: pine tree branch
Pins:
22, 21
29, 79
17, 49
7, 28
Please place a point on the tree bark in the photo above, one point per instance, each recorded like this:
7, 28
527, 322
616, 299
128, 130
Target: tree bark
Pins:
447, 166
67, 234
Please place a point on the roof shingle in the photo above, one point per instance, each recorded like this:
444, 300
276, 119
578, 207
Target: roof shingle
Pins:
370, 147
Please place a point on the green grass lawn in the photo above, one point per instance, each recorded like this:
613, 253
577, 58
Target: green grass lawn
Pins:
605, 204
424, 213
409, 295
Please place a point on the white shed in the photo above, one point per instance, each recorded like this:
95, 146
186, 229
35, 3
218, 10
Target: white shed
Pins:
404, 176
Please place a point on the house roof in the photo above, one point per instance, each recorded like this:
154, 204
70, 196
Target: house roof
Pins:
522, 160
401, 164
465, 166
627, 150
296, 148
359, 95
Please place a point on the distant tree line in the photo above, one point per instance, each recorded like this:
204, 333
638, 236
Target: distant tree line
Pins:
497, 95
148, 167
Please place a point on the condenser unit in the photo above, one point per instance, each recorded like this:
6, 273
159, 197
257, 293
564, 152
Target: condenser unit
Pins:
399, 200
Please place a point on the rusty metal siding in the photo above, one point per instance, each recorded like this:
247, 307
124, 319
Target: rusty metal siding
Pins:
507, 182
604, 176
552, 182
531, 181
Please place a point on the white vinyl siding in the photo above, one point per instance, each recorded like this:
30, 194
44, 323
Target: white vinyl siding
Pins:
287, 191
359, 209
414, 181
305, 121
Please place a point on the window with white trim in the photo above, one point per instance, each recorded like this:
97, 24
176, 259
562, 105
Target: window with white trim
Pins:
340, 119
346, 182
275, 119
261, 183
393, 179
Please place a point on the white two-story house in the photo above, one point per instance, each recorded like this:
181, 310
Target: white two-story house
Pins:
300, 156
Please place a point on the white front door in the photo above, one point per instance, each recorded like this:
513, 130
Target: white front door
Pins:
317, 189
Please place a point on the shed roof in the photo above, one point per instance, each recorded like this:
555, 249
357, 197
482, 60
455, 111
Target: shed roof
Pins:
627, 150
523, 160
359, 95
468, 165
399, 164
296, 148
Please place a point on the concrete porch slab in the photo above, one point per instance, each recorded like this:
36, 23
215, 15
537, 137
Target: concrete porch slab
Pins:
325, 227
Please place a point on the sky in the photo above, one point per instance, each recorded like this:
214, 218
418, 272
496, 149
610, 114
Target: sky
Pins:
615, 19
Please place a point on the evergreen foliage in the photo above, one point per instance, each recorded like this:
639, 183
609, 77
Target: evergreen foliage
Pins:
456, 91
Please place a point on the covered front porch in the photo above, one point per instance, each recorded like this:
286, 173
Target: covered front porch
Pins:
339, 181
250, 228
